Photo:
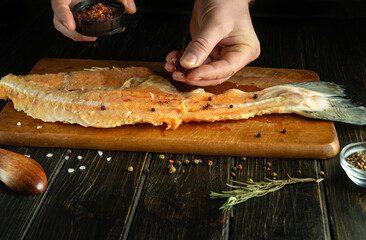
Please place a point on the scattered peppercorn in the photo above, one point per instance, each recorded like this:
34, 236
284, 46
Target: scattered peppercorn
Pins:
284, 130
231, 106
179, 68
153, 109
161, 157
186, 161
200, 160
196, 161
322, 173
209, 163
268, 168
269, 164
178, 163
358, 160
170, 166
68, 151
130, 169
259, 135
181, 171
298, 172
274, 174
172, 170
171, 162
233, 174
255, 96
240, 167
102, 108
209, 98
243, 158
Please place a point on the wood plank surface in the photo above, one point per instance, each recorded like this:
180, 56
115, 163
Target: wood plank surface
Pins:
305, 138
346, 65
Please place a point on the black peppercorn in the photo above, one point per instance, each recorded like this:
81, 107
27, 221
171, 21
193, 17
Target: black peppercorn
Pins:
255, 96
259, 135
102, 107
231, 106
153, 109
209, 98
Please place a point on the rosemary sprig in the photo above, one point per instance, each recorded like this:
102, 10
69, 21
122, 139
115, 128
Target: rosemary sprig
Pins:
244, 191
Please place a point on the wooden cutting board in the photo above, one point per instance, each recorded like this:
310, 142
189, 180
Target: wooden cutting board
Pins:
305, 138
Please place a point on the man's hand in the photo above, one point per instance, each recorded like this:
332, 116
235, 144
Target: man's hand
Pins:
64, 20
223, 41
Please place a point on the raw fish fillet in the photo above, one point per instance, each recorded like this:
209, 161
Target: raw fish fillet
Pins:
106, 98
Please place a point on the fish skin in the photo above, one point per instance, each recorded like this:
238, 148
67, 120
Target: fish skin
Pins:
137, 95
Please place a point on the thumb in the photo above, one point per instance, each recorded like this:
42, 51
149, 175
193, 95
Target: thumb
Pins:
199, 49
64, 15
130, 6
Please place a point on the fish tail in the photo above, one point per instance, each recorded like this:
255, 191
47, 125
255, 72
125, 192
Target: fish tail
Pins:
338, 108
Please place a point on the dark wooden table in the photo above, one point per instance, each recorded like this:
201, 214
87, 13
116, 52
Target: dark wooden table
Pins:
104, 201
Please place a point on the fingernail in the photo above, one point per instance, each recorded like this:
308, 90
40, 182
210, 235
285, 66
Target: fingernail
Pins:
189, 59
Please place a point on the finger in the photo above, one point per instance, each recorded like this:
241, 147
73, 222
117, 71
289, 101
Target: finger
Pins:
72, 34
64, 16
130, 6
170, 59
204, 83
178, 76
201, 46
173, 56
232, 60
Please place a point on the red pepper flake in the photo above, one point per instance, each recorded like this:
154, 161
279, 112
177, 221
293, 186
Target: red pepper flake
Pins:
179, 68
99, 12
240, 167
171, 162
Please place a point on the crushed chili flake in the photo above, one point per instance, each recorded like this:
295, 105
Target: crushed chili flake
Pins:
99, 12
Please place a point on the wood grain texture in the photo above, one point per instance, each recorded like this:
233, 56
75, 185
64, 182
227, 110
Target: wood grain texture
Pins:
177, 206
18, 210
297, 211
94, 203
345, 65
305, 138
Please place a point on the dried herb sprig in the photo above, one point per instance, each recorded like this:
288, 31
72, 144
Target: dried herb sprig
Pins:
244, 191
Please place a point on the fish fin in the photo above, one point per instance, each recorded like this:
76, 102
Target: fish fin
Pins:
326, 88
339, 109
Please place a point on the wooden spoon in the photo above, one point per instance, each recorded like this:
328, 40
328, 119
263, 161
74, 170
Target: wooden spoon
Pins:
22, 173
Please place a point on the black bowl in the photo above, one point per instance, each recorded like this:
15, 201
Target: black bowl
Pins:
99, 28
